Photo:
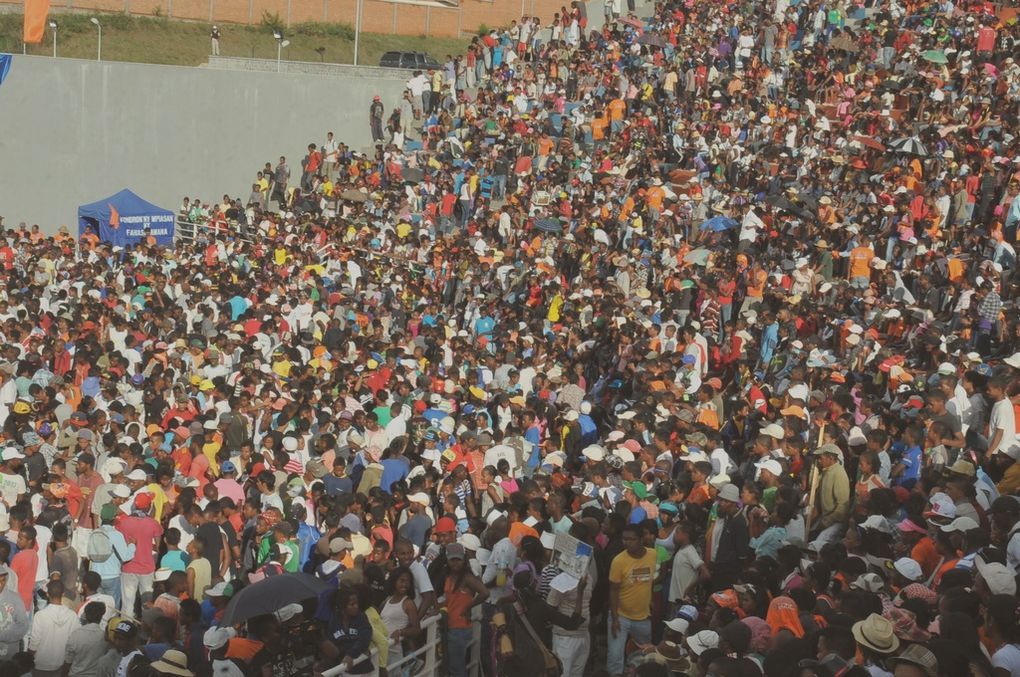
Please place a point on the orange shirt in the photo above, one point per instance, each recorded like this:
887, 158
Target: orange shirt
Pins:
598, 128
655, 196
860, 261
617, 107
955, 269
924, 553
756, 285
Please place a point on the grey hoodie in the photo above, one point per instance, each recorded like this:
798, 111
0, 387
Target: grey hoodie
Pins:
13, 622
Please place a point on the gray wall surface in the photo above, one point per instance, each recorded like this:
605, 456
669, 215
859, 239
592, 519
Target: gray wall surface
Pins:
78, 131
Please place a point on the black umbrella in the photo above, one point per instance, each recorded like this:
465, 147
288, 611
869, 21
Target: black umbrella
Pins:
785, 205
652, 40
412, 174
269, 595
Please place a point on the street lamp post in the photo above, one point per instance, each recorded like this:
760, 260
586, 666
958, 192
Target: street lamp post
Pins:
99, 46
357, 30
53, 27
280, 44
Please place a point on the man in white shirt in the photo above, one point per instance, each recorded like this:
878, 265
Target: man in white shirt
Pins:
12, 483
87, 644
51, 629
330, 154
425, 595
8, 391
1001, 423
688, 567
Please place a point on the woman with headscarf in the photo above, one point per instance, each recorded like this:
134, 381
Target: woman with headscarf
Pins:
761, 635
783, 618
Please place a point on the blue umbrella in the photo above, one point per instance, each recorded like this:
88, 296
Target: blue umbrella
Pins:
717, 224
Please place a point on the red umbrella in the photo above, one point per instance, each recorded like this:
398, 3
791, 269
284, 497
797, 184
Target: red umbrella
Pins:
869, 142
635, 23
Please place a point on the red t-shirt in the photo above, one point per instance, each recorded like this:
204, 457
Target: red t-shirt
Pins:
144, 532
25, 564
449, 200
986, 39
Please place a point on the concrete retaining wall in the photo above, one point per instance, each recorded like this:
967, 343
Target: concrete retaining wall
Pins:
77, 131
335, 70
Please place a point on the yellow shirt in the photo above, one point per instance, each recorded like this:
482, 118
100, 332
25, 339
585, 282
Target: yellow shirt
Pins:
634, 576
282, 368
159, 500
554, 308
203, 577
210, 450
280, 256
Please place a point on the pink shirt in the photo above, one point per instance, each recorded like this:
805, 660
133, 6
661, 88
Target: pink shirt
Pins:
144, 532
230, 489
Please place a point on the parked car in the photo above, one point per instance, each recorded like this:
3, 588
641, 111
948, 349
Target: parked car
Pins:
411, 60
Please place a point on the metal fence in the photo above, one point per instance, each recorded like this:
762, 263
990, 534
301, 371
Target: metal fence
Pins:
427, 661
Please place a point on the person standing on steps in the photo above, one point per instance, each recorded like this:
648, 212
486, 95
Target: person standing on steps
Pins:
215, 35
375, 116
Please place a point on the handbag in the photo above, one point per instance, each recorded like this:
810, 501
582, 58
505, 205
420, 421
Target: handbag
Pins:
553, 666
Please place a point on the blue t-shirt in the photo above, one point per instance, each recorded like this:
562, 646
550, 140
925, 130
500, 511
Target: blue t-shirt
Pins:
637, 515
911, 461
394, 470
534, 437
175, 560
484, 326
337, 485
238, 305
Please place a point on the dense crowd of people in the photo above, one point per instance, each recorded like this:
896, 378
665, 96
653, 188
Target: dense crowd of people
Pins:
686, 345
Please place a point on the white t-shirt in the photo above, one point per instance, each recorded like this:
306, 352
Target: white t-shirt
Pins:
422, 582
686, 563
1002, 419
11, 486
1008, 657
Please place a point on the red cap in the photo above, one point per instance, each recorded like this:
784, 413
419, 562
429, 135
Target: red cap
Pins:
445, 525
420, 406
143, 501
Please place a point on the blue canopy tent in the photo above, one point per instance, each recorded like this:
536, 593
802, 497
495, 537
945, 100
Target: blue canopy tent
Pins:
122, 218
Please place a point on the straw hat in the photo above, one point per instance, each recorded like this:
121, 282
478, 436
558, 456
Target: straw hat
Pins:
920, 656
876, 633
173, 662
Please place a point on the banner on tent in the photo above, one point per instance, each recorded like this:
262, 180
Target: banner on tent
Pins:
158, 224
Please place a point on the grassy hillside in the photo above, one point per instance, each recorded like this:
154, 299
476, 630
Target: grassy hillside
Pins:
169, 41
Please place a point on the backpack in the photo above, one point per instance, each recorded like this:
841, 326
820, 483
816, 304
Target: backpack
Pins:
99, 547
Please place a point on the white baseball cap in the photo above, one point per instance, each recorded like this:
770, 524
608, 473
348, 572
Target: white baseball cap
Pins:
770, 464
910, 569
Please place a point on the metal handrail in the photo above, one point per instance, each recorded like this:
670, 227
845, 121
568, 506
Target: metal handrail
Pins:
429, 651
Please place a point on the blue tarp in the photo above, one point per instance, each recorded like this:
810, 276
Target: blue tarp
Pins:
121, 220
5, 66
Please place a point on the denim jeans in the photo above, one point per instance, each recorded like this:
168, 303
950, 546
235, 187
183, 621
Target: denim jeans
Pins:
499, 187
111, 587
457, 640
640, 631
